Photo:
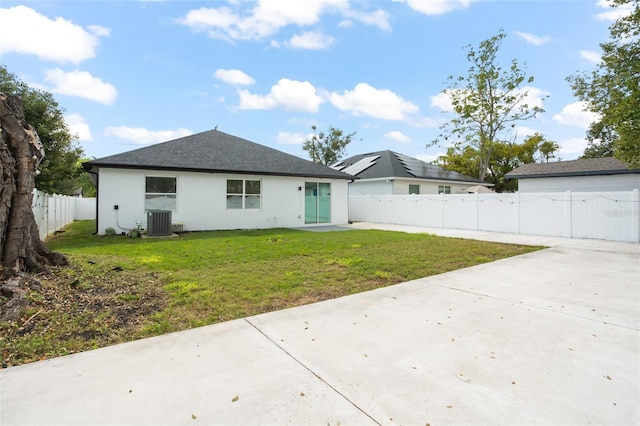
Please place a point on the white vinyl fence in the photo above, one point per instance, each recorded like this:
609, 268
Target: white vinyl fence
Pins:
600, 215
53, 212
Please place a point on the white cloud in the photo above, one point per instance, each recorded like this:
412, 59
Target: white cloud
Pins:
143, 136
427, 122
79, 127
523, 131
367, 100
442, 101
234, 77
573, 146
397, 136
613, 13
100, 31
575, 115
533, 39
379, 18
25, 31
267, 17
311, 40
428, 158
288, 94
288, 138
533, 97
591, 56
81, 84
437, 7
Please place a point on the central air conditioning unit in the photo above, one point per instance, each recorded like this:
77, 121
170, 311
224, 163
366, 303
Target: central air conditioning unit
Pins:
158, 222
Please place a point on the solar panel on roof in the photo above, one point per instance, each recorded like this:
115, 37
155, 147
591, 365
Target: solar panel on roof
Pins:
337, 166
361, 165
413, 165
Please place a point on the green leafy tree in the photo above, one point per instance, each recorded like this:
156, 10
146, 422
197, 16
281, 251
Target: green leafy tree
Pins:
488, 101
612, 91
327, 147
506, 156
84, 182
60, 167
463, 160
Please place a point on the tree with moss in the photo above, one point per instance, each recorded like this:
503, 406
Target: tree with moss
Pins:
612, 90
21, 250
60, 170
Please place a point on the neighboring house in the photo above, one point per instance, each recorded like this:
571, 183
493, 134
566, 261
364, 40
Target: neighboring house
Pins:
590, 174
213, 181
390, 173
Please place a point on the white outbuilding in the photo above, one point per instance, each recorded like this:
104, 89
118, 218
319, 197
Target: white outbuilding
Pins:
584, 175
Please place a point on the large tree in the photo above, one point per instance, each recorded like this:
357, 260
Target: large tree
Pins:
21, 250
60, 168
505, 156
488, 101
327, 147
612, 90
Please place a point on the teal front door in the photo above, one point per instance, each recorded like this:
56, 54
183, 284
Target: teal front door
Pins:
317, 202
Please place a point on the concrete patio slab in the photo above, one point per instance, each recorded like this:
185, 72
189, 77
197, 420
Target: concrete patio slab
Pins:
225, 374
550, 337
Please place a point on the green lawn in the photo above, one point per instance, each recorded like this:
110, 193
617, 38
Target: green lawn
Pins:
119, 289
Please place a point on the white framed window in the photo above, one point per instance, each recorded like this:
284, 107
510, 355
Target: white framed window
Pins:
444, 189
160, 193
414, 189
244, 194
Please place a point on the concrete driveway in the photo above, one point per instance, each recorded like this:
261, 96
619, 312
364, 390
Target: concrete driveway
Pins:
551, 337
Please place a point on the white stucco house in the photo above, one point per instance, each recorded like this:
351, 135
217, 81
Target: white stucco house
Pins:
584, 175
391, 173
216, 181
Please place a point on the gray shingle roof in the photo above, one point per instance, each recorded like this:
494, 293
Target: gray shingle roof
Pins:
583, 167
391, 164
215, 151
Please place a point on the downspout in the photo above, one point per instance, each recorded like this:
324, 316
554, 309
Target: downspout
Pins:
97, 204
96, 182
349, 221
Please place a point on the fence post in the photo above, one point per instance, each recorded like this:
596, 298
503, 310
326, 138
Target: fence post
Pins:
568, 212
442, 210
635, 216
45, 215
477, 200
518, 209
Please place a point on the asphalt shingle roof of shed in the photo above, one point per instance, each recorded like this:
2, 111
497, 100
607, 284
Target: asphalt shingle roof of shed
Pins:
582, 167
215, 151
394, 165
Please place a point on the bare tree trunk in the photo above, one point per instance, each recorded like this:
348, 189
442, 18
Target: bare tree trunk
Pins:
21, 249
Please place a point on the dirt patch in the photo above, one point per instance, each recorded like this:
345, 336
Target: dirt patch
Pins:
80, 307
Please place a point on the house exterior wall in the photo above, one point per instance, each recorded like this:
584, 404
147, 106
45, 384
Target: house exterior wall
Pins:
397, 186
401, 186
624, 182
201, 201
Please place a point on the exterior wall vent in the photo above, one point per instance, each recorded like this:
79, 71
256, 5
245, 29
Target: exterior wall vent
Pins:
158, 222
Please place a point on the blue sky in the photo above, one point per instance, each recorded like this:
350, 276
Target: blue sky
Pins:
134, 73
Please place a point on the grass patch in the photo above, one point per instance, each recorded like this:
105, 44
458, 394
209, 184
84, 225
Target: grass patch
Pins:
119, 289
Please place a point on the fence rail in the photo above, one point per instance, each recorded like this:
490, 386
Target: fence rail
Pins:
53, 212
599, 215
